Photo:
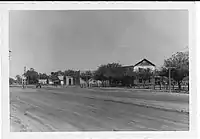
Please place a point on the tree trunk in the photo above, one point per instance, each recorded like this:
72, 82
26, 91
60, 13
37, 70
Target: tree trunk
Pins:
179, 85
144, 84
133, 81
160, 86
109, 80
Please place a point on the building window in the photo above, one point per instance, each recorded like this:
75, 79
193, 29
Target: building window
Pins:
140, 80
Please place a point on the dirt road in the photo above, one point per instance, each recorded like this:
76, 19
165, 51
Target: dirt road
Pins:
73, 109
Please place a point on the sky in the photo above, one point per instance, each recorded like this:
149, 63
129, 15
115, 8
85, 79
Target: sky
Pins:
83, 40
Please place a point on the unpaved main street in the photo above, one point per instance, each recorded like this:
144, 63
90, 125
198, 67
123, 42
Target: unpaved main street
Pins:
78, 109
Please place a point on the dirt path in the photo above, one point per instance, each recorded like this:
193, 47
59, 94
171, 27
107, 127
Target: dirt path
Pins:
44, 110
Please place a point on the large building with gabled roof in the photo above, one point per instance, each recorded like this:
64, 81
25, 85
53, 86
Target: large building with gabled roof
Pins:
143, 64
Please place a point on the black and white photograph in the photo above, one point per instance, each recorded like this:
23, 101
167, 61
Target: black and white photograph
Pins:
90, 70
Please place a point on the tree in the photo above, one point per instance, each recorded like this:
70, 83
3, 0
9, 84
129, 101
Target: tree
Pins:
43, 76
71, 73
19, 79
99, 74
144, 74
32, 69
129, 76
54, 76
74, 74
86, 75
11, 81
60, 73
180, 62
163, 72
112, 72
162, 76
32, 76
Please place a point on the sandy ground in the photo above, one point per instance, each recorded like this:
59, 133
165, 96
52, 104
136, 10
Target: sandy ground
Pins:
80, 109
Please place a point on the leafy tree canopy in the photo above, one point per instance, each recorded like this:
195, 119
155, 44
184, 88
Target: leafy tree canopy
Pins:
180, 64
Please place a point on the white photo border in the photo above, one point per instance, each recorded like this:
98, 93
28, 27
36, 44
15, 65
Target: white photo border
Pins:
4, 34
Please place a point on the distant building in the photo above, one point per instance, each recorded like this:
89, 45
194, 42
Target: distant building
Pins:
144, 64
24, 82
69, 80
42, 81
61, 79
53, 80
56, 82
138, 67
94, 83
50, 81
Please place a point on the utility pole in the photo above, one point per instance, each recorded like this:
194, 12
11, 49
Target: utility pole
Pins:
170, 78
24, 79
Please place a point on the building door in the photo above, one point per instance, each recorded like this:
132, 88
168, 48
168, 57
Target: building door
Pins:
70, 81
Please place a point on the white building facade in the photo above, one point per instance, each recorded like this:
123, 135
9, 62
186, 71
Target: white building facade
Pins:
69, 80
144, 64
42, 81
23, 79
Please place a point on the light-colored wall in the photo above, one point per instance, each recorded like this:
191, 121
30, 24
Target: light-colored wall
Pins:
136, 68
50, 82
43, 81
67, 80
82, 81
96, 83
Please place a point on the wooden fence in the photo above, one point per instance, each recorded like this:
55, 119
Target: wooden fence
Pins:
174, 88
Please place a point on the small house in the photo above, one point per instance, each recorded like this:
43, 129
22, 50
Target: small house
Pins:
50, 81
94, 83
24, 79
68, 80
61, 79
42, 81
